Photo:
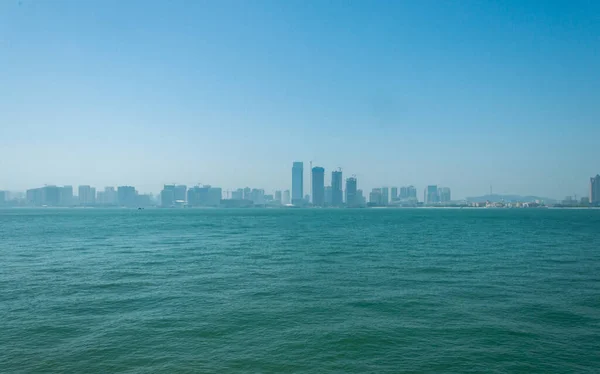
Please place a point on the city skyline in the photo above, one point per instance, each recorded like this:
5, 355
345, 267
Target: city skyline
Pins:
374, 90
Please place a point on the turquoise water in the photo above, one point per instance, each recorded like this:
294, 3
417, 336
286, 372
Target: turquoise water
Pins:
348, 291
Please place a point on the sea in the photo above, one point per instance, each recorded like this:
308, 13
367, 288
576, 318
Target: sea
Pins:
299, 291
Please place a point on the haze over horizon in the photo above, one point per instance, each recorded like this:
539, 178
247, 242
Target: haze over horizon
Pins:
459, 94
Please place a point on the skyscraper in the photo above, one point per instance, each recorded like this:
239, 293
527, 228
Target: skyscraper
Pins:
167, 195
180, 192
278, 196
126, 196
375, 197
337, 194
87, 195
431, 195
444, 194
298, 183
327, 195
394, 195
66, 196
318, 186
385, 196
110, 196
285, 199
595, 190
351, 193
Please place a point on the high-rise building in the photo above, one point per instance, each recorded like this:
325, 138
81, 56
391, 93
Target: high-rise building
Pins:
204, 196
408, 193
110, 196
318, 186
444, 195
394, 194
51, 195
257, 196
126, 196
595, 190
337, 193
247, 193
375, 197
431, 195
328, 195
179, 193
351, 193
278, 197
66, 196
385, 196
361, 197
167, 195
87, 195
297, 183
286, 199
237, 194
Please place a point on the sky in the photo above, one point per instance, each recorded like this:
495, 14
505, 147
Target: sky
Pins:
464, 94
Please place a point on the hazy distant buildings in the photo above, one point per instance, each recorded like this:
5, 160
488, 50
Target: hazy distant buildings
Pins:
66, 196
385, 196
126, 196
318, 186
87, 195
179, 193
237, 194
595, 190
286, 199
205, 196
247, 193
257, 196
110, 196
167, 195
431, 195
444, 195
408, 193
278, 197
351, 193
394, 194
337, 194
375, 197
328, 196
297, 183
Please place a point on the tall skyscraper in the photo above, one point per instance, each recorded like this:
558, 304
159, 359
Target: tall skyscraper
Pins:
337, 194
431, 195
298, 183
318, 186
385, 196
595, 190
351, 193
394, 194
285, 199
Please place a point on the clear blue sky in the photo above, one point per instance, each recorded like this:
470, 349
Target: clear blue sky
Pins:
457, 93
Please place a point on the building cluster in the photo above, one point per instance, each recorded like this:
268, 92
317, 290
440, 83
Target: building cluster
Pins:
338, 193
87, 196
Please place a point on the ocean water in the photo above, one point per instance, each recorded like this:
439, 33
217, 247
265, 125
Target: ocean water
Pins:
313, 291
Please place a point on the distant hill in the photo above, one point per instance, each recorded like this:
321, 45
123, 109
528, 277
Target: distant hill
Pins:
508, 198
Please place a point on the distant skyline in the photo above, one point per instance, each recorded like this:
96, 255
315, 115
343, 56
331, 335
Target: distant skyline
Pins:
457, 94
